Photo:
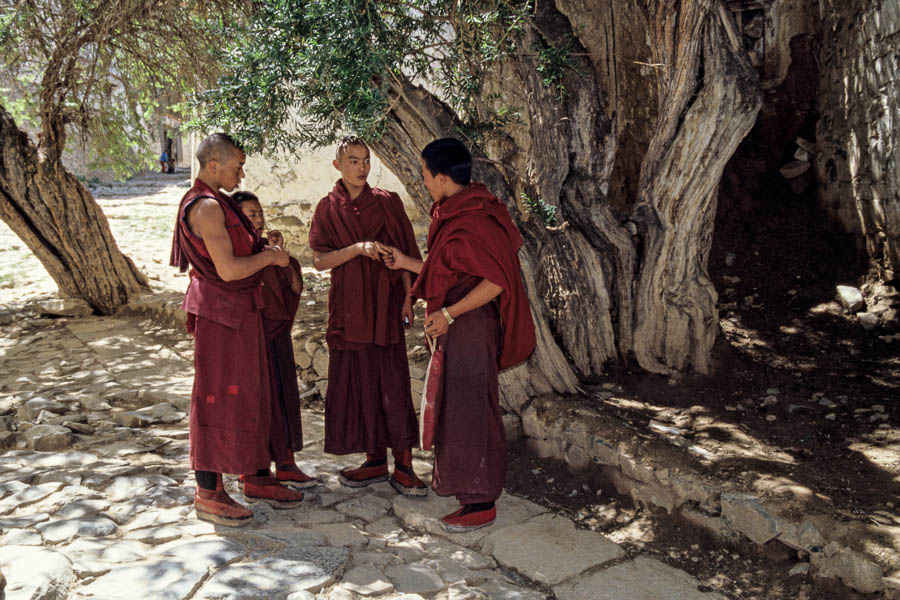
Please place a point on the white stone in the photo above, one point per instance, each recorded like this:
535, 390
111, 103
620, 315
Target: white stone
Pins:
48, 438
868, 321
851, 567
154, 536
21, 537
555, 550
82, 508
851, 298
66, 529
28, 495
501, 590
164, 578
158, 413
415, 578
368, 508
747, 514
96, 557
32, 408
794, 169
342, 534
65, 307
366, 580
640, 579
127, 488
35, 573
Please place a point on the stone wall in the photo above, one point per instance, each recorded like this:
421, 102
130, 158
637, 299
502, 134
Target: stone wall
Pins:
858, 133
290, 189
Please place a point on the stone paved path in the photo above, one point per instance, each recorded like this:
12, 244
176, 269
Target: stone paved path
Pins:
105, 511
96, 494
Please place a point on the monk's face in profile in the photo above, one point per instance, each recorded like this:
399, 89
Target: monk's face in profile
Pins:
230, 171
354, 166
433, 184
254, 212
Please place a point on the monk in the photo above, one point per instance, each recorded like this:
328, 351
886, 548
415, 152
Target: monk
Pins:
478, 315
232, 407
281, 291
368, 405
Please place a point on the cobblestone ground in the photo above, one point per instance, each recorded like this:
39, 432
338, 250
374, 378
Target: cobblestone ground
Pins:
96, 494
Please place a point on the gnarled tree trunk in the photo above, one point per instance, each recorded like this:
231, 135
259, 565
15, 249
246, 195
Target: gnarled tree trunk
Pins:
629, 147
58, 219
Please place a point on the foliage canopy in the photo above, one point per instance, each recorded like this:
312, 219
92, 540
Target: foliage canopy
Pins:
304, 73
102, 68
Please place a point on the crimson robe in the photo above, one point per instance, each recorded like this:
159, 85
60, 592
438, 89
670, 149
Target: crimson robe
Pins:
471, 238
243, 391
368, 405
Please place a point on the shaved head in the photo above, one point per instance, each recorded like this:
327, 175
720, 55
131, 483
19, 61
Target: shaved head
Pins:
218, 147
345, 143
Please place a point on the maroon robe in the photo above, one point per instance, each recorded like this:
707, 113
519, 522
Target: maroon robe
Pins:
236, 423
368, 405
472, 238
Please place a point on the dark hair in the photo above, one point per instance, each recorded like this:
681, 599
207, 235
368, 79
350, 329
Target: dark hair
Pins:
218, 147
241, 197
448, 156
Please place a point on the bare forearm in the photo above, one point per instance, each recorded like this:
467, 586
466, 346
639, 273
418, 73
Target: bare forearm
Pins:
239, 267
329, 260
480, 295
409, 263
407, 282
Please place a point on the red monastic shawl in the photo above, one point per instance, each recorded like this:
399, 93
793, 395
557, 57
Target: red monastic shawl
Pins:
231, 410
359, 307
471, 233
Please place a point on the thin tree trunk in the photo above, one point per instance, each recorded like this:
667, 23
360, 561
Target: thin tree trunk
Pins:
61, 223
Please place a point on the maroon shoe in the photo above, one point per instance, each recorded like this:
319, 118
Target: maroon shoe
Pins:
371, 471
460, 521
404, 479
216, 506
269, 490
291, 476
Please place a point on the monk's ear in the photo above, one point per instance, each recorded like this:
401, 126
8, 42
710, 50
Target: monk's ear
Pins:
337, 164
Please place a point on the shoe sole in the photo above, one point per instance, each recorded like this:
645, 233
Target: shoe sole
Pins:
463, 528
358, 483
300, 485
277, 504
408, 491
220, 520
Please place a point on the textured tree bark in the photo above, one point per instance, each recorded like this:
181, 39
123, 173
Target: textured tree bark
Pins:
707, 103
59, 221
629, 149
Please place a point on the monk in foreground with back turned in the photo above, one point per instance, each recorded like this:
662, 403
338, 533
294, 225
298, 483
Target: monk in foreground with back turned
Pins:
478, 315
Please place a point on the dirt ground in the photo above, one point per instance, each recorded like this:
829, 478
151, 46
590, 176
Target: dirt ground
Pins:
793, 374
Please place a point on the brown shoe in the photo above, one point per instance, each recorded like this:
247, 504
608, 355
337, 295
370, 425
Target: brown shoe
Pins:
216, 506
291, 476
269, 490
371, 471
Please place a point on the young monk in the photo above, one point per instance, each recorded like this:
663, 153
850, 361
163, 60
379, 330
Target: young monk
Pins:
368, 406
286, 432
232, 407
478, 314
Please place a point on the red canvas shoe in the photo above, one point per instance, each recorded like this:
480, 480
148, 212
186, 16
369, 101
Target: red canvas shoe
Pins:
460, 521
371, 471
404, 479
291, 476
269, 490
216, 506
